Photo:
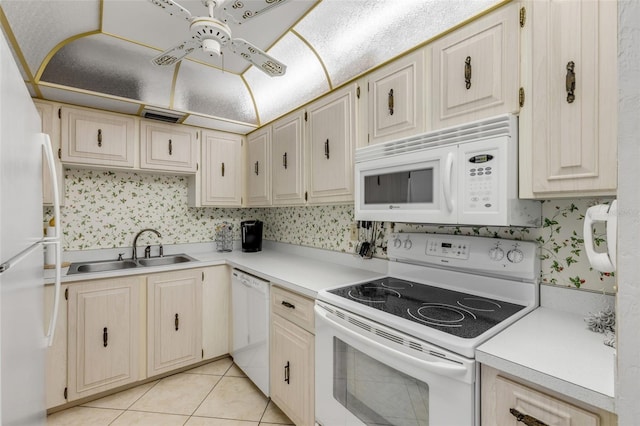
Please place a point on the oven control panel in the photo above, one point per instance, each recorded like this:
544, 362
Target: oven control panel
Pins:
495, 256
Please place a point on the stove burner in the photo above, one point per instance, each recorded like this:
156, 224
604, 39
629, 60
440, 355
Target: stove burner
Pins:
373, 294
441, 315
396, 284
479, 304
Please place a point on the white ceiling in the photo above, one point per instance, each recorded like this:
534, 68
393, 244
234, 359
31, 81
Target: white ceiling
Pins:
97, 53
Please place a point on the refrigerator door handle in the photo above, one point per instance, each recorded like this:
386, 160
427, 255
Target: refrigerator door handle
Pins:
55, 240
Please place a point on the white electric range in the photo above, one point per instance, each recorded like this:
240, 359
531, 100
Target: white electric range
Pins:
400, 349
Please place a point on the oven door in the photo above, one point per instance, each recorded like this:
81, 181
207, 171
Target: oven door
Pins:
413, 187
368, 374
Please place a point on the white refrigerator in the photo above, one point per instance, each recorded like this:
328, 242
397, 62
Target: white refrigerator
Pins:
23, 337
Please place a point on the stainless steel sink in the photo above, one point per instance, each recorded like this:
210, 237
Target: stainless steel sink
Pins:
166, 260
114, 265
101, 266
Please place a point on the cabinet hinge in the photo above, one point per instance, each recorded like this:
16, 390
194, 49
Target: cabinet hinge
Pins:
60, 113
306, 196
203, 354
60, 153
197, 166
521, 97
523, 16
306, 116
358, 92
66, 293
202, 275
65, 393
368, 138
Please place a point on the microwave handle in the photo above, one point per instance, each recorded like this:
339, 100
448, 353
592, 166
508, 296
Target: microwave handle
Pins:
603, 262
448, 170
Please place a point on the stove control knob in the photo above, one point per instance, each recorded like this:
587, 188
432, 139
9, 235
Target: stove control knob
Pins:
515, 255
408, 244
496, 254
397, 243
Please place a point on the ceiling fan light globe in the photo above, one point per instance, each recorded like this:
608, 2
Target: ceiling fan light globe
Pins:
211, 46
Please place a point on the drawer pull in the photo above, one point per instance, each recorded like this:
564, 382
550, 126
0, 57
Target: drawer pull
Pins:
526, 419
170, 147
286, 373
100, 138
288, 305
105, 337
467, 72
570, 82
176, 322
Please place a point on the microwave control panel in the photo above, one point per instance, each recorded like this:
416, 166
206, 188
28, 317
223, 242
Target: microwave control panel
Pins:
480, 186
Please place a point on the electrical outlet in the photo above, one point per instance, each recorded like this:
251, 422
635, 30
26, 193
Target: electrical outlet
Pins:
353, 232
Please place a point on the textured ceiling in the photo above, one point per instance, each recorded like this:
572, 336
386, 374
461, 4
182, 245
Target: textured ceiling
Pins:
98, 53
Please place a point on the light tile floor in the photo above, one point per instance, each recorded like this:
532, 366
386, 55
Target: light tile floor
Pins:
215, 394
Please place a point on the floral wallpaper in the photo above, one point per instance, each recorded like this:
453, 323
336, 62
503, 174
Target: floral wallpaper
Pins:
104, 209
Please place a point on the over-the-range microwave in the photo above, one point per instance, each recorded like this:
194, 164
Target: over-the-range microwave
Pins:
465, 175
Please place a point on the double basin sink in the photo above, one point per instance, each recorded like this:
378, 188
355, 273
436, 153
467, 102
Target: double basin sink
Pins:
115, 265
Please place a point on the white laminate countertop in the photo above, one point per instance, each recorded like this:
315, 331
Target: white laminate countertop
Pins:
556, 350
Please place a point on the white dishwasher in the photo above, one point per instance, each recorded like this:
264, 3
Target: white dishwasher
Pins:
250, 306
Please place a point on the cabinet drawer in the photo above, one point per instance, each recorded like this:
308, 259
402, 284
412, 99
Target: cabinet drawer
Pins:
297, 309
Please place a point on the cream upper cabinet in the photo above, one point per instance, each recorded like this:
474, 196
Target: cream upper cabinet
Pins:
98, 138
475, 70
287, 155
258, 169
168, 147
397, 99
103, 335
216, 297
221, 174
174, 320
51, 126
331, 135
568, 135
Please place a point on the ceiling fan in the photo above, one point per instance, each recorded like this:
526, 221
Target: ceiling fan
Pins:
211, 33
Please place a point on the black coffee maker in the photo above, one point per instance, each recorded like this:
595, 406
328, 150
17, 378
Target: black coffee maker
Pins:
251, 235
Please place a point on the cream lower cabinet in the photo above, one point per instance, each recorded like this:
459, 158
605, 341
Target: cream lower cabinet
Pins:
56, 357
103, 335
216, 297
174, 320
504, 400
292, 356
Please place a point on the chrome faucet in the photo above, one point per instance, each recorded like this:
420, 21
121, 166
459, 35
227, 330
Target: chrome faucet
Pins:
135, 241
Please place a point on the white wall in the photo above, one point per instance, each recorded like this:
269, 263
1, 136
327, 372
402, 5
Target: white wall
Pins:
628, 299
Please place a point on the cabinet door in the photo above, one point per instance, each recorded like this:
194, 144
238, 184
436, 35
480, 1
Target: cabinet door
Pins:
56, 358
259, 168
292, 371
287, 165
331, 135
174, 320
569, 137
103, 321
50, 126
475, 70
221, 169
546, 409
215, 311
97, 138
396, 99
169, 147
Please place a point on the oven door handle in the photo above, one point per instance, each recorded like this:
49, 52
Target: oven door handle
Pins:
435, 367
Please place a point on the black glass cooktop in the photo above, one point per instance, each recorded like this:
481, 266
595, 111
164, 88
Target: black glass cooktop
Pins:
452, 312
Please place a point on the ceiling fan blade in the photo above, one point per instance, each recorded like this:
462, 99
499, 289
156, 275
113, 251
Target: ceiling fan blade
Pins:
257, 57
175, 54
241, 10
172, 8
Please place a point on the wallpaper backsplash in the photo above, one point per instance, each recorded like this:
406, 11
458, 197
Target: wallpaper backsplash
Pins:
105, 209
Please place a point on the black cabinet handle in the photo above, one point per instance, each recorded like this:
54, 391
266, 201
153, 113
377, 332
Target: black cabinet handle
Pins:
467, 72
284, 160
288, 305
526, 419
570, 82
177, 322
170, 147
326, 149
256, 168
105, 337
100, 138
222, 169
286, 373
390, 102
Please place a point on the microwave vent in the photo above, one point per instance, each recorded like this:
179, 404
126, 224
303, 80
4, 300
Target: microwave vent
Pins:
161, 115
502, 125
